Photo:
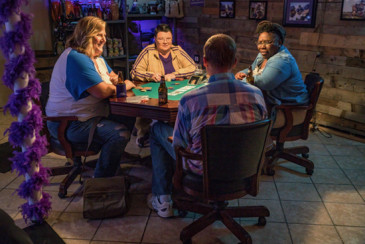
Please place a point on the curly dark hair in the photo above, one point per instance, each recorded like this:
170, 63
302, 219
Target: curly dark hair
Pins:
270, 27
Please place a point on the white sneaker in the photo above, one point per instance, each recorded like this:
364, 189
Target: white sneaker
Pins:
163, 209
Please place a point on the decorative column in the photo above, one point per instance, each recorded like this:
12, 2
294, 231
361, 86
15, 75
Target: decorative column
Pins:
24, 134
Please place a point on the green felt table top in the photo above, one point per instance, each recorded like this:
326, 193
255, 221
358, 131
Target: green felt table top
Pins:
179, 88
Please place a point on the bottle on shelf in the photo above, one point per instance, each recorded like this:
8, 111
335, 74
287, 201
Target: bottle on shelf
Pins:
162, 91
114, 9
249, 76
69, 10
56, 11
99, 12
89, 8
77, 9
121, 87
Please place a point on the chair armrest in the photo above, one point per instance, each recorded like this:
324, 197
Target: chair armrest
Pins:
289, 121
291, 106
188, 155
61, 133
177, 178
60, 118
180, 152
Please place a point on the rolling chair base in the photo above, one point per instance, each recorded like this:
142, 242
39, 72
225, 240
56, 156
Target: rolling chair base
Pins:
291, 155
219, 211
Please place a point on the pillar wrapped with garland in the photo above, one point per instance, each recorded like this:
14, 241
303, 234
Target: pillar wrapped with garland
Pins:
19, 75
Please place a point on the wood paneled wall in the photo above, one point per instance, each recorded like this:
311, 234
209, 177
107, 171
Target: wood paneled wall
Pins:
334, 48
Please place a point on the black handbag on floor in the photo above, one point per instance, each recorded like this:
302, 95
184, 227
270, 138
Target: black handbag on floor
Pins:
105, 197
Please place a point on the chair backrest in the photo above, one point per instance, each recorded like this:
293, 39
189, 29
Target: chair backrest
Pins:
233, 156
289, 132
43, 98
314, 85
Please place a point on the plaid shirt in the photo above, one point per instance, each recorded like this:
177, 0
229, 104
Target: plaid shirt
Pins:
223, 100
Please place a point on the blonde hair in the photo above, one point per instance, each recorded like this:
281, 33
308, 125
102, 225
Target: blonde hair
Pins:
85, 30
220, 51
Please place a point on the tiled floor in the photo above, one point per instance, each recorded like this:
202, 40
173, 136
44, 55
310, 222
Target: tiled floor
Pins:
327, 207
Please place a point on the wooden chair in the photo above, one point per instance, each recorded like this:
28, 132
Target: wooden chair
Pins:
62, 146
292, 123
232, 158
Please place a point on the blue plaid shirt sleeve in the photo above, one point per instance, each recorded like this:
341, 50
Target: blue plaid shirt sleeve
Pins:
182, 125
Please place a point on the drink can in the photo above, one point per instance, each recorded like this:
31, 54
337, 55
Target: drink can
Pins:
121, 90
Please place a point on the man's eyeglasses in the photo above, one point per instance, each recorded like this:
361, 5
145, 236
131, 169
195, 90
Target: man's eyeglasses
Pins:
268, 42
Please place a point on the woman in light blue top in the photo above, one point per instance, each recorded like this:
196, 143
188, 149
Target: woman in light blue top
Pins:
275, 70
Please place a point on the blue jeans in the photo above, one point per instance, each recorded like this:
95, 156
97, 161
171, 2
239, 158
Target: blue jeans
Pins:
163, 159
110, 135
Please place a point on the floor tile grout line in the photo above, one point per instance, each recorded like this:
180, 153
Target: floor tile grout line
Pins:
352, 183
92, 238
282, 209
145, 227
329, 215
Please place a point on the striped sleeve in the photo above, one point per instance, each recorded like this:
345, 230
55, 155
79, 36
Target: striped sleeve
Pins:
140, 67
187, 63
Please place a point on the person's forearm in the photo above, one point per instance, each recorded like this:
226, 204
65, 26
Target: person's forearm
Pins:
109, 91
102, 90
185, 72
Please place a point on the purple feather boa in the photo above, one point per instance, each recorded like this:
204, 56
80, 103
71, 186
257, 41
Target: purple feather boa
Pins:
39, 210
22, 160
32, 122
8, 7
20, 130
39, 179
20, 34
15, 66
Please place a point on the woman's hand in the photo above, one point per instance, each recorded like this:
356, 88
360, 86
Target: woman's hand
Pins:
129, 85
170, 77
240, 75
113, 77
156, 77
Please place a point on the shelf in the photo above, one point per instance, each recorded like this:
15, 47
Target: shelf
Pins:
119, 21
145, 16
115, 57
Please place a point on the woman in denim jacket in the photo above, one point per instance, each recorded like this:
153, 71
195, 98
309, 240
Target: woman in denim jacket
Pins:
275, 70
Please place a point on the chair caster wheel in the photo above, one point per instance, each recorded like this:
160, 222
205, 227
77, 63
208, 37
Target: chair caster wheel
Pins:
182, 213
262, 221
62, 195
305, 155
309, 171
270, 172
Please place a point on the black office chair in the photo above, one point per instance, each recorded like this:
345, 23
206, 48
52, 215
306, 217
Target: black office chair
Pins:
232, 156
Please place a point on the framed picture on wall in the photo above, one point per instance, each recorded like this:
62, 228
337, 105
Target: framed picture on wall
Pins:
353, 10
300, 13
257, 10
226, 9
